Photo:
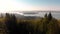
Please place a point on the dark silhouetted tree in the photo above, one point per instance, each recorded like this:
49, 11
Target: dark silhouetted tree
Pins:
11, 23
49, 16
45, 15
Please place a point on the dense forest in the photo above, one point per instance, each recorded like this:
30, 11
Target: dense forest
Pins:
45, 25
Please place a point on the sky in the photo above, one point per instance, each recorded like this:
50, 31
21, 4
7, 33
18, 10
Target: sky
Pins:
29, 5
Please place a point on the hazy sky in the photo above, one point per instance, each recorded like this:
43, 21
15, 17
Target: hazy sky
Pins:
29, 5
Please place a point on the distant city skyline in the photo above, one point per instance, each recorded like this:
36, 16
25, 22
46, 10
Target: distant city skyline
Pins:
29, 5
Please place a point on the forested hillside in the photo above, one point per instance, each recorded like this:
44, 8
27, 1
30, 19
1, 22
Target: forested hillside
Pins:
45, 25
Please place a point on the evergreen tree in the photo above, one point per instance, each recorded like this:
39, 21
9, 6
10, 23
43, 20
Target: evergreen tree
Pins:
45, 15
11, 23
49, 16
